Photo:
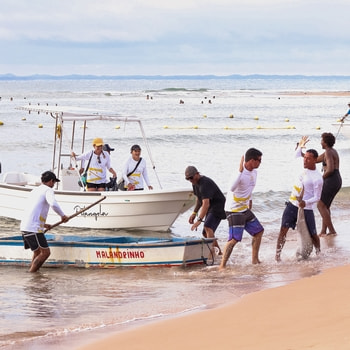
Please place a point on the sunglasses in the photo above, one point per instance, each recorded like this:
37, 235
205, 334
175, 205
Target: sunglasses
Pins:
189, 178
99, 159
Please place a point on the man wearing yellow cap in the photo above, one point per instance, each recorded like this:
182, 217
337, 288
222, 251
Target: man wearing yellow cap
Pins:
98, 162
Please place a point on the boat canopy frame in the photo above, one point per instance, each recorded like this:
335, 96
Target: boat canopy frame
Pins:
65, 114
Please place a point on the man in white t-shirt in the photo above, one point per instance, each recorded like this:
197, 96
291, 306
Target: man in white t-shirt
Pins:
33, 224
305, 194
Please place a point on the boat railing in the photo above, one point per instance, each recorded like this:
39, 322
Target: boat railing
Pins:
20, 179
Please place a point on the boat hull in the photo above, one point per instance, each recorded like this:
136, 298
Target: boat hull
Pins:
130, 210
107, 252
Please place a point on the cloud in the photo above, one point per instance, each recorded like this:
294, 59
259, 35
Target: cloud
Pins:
226, 36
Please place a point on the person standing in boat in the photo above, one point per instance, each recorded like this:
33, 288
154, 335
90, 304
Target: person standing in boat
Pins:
238, 207
209, 207
99, 162
135, 171
34, 224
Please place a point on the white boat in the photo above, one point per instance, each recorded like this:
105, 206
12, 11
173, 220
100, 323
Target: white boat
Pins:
107, 252
154, 210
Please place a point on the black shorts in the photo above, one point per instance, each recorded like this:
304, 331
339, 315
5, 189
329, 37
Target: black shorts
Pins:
34, 240
290, 217
97, 186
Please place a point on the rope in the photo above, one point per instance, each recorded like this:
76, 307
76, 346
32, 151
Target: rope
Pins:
205, 261
341, 124
149, 153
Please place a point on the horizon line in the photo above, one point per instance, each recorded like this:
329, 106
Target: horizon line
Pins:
10, 76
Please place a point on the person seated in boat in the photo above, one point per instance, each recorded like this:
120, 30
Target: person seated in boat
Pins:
33, 223
99, 162
135, 171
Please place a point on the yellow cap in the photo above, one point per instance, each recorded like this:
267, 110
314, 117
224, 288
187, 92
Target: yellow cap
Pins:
97, 142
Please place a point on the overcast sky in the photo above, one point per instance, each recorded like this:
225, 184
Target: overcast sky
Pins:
171, 37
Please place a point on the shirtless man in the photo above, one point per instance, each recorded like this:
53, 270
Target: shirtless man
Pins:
332, 182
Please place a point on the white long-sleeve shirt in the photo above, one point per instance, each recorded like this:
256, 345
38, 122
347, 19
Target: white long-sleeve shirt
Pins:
98, 167
240, 192
37, 207
138, 176
311, 182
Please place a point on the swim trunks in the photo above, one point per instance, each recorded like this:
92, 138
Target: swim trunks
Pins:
238, 222
331, 186
34, 240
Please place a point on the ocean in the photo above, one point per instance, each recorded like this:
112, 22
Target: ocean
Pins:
219, 119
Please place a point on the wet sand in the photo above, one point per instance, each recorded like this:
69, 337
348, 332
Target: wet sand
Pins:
312, 313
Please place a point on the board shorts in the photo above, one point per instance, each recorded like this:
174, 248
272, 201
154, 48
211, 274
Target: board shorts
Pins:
34, 240
212, 222
290, 217
96, 186
238, 222
331, 186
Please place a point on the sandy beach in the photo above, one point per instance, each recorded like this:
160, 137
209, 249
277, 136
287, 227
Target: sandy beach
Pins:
312, 313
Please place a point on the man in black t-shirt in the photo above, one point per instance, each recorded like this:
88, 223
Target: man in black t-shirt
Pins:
210, 202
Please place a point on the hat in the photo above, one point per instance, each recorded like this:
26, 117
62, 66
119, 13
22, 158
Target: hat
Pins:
135, 148
48, 176
97, 142
191, 171
107, 148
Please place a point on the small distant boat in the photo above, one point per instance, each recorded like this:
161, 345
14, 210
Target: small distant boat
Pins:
107, 252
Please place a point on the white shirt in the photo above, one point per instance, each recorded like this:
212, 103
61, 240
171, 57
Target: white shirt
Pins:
311, 181
240, 192
97, 172
37, 208
138, 176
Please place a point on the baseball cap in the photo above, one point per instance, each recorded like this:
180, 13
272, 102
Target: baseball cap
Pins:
135, 148
97, 142
191, 171
47, 176
107, 148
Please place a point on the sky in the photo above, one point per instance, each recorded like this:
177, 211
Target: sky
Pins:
175, 37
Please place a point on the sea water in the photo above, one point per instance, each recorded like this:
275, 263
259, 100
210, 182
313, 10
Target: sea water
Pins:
217, 122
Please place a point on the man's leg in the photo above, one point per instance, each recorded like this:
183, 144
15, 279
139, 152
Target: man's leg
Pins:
39, 257
227, 252
255, 247
280, 242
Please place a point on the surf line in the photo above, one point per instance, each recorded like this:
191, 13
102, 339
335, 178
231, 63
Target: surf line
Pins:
96, 214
